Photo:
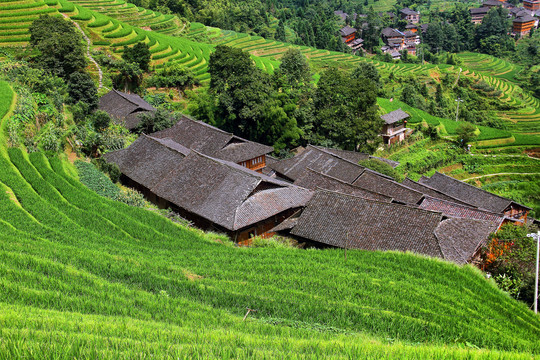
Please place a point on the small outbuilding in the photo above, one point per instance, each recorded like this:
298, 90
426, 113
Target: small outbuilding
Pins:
124, 108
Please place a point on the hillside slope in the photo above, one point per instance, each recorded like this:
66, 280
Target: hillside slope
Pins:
83, 276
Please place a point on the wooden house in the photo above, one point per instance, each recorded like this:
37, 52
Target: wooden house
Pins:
216, 143
410, 16
333, 219
348, 34
394, 127
393, 37
492, 3
477, 197
124, 108
214, 194
532, 5
477, 14
523, 25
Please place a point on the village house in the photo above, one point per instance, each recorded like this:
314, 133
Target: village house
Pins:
214, 142
348, 34
214, 194
124, 108
523, 25
333, 219
344, 168
492, 3
477, 197
394, 127
410, 15
532, 5
394, 38
477, 14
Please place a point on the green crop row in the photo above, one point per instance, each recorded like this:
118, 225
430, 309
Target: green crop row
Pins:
22, 6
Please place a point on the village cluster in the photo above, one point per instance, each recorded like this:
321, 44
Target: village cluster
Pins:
320, 197
524, 19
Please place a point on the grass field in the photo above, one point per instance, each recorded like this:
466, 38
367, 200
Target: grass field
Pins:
87, 277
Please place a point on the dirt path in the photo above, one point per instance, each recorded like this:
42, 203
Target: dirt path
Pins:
499, 174
100, 72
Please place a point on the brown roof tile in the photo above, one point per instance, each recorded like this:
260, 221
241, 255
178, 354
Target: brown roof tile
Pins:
212, 141
460, 238
355, 223
318, 160
373, 181
468, 193
313, 180
452, 209
426, 190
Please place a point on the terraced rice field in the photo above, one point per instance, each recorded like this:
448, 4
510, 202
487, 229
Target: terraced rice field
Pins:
87, 277
16, 17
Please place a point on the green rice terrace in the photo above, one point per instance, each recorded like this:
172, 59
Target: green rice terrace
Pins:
113, 24
82, 276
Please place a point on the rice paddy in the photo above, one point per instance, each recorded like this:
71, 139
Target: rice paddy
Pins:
83, 276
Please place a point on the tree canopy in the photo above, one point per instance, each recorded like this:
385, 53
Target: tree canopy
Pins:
60, 46
138, 54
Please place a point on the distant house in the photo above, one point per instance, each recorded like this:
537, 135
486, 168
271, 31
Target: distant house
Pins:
412, 28
523, 25
410, 15
216, 143
348, 34
214, 194
356, 44
477, 14
532, 5
392, 36
492, 3
338, 220
477, 197
124, 108
394, 126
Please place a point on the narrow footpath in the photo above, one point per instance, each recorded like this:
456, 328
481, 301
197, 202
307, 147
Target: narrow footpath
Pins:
88, 54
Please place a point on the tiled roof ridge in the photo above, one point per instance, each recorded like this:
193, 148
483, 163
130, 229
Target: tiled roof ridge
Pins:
440, 192
476, 188
381, 202
322, 149
123, 95
391, 179
464, 206
162, 144
346, 183
244, 170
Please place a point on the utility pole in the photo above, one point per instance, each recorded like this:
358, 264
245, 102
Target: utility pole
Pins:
458, 100
537, 237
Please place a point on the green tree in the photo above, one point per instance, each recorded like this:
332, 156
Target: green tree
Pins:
81, 87
295, 67
138, 54
346, 112
59, 45
368, 71
175, 76
129, 77
280, 32
151, 122
465, 133
100, 120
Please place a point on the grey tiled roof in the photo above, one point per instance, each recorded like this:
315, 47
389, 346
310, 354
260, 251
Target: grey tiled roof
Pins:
452, 209
394, 116
390, 32
347, 221
373, 181
468, 193
227, 194
146, 161
426, 190
212, 141
408, 11
524, 19
480, 10
313, 180
460, 238
347, 30
124, 107
319, 160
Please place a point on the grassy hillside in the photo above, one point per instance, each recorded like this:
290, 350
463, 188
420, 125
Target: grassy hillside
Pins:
84, 276
113, 24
